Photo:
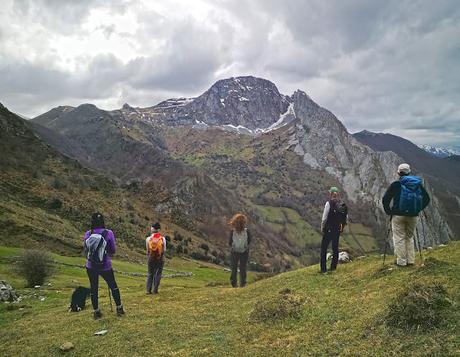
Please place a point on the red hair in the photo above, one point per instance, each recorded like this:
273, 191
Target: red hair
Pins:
238, 222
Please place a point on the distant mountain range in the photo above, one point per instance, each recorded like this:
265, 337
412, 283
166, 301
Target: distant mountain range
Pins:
240, 146
440, 151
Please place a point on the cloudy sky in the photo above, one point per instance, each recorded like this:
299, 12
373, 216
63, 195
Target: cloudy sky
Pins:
387, 66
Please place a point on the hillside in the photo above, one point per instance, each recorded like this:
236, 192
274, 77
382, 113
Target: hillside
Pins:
46, 198
343, 313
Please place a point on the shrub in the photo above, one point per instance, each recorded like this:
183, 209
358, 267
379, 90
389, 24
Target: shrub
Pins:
58, 183
35, 266
282, 306
420, 306
56, 203
205, 247
177, 236
200, 256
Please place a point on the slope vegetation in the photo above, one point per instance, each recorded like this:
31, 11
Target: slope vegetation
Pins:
46, 198
343, 313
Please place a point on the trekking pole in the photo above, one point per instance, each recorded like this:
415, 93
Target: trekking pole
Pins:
423, 226
386, 242
110, 298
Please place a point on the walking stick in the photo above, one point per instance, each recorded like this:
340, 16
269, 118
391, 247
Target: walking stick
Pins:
110, 298
423, 226
386, 242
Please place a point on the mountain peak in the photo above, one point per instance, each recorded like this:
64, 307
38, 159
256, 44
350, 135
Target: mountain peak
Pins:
246, 101
87, 106
365, 133
245, 82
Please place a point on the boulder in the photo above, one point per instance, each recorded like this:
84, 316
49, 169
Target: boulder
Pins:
67, 346
7, 293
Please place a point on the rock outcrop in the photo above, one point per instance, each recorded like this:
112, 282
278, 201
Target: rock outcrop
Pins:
365, 174
7, 292
249, 102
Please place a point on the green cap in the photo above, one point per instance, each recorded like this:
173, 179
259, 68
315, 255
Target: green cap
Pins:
334, 189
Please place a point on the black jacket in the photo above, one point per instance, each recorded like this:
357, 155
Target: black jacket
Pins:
393, 193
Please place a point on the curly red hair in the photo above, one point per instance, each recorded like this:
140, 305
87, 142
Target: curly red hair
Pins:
238, 222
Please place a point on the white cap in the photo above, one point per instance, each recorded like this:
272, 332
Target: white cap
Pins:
404, 169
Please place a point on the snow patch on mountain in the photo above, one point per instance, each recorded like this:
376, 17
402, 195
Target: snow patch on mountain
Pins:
440, 151
285, 118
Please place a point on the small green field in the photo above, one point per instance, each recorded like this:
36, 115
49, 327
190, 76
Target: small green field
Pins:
342, 313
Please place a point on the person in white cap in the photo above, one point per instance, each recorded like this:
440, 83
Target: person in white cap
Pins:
409, 199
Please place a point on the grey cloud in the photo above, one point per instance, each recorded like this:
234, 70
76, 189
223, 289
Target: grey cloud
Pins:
188, 60
63, 16
377, 65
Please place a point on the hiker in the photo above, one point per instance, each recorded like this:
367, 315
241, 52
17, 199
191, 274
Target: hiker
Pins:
332, 225
409, 199
156, 248
239, 241
100, 246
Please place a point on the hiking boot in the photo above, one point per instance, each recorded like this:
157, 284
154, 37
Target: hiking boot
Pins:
242, 285
120, 311
97, 314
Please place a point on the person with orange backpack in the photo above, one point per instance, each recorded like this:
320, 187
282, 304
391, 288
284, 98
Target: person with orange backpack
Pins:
156, 248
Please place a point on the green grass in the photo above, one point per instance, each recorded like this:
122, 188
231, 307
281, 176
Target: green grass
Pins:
342, 314
288, 222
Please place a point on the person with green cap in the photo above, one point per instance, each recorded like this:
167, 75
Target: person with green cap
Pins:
332, 224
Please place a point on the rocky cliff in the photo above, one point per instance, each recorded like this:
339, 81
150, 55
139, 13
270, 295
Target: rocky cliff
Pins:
365, 174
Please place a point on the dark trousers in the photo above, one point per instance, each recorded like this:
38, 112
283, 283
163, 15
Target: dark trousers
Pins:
328, 237
107, 275
242, 259
154, 274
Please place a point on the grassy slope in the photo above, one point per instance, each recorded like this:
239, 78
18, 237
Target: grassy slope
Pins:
34, 176
341, 316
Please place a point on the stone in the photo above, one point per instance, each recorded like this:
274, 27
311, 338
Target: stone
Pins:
7, 292
67, 346
100, 333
